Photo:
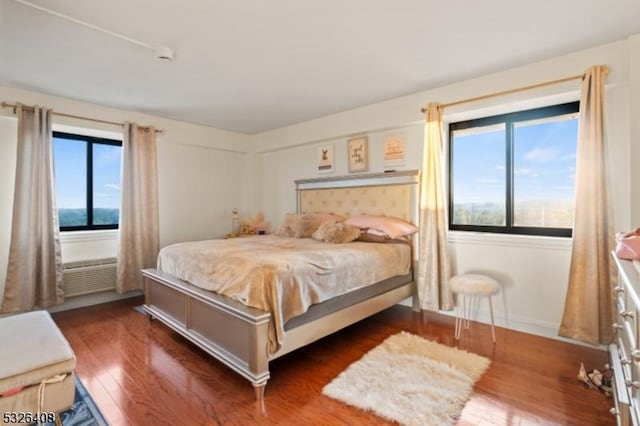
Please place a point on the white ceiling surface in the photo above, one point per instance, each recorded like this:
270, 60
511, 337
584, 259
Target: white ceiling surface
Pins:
255, 65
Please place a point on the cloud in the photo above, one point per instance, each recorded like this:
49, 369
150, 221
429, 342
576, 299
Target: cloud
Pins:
541, 154
107, 155
488, 181
525, 172
115, 186
500, 168
101, 195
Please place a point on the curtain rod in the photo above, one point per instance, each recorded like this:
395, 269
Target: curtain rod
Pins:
60, 114
508, 92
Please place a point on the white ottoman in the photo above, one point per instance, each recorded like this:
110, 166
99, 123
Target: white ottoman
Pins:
36, 365
466, 287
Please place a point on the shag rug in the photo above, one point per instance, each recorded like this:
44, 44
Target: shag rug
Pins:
410, 380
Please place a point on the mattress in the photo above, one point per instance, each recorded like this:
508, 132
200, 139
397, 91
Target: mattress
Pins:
342, 301
284, 276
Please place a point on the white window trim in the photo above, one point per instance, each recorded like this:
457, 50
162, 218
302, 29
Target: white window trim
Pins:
92, 235
510, 240
104, 134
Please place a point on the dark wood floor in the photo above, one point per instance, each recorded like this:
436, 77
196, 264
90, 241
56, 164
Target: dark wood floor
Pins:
141, 373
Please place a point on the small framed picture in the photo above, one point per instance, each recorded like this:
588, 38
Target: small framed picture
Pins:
325, 159
358, 152
394, 149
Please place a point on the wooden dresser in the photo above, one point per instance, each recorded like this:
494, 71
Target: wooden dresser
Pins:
624, 351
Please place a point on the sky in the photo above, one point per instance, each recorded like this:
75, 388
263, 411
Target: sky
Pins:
71, 171
544, 162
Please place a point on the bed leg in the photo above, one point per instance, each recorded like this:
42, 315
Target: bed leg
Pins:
415, 302
258, 390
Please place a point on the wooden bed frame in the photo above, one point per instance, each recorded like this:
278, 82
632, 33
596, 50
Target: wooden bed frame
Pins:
237, 335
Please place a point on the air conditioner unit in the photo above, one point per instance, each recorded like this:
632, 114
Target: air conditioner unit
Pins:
89, 276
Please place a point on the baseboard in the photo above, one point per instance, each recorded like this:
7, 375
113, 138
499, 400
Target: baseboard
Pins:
93, 299
514, 322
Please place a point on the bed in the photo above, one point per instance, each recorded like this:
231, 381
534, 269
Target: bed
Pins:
245, 338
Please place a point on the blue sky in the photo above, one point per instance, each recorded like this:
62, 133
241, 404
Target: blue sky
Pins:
71, 171
544, 162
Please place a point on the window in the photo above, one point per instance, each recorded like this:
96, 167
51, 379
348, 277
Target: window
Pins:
87, 172
514, 173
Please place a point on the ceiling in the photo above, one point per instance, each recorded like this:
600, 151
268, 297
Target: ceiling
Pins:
255, 65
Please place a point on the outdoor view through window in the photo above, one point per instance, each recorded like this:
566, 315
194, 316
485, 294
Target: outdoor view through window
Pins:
515, 172
87, 172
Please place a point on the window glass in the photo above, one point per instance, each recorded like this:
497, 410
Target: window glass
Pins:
544, 159
70, 162
106, 184
479, 176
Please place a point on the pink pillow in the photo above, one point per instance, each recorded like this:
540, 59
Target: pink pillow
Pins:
392, 226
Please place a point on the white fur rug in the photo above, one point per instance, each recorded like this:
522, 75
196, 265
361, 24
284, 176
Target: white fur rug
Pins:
410, 380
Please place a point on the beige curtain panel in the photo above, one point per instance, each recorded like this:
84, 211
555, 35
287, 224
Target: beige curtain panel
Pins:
34, 272
588, 306
139, 234
434, 269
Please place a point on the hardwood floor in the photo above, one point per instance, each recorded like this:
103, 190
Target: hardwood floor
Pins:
141, 373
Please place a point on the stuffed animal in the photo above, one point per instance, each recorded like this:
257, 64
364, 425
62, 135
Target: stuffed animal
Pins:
255, 225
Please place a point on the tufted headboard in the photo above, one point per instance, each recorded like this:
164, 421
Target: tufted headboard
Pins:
391, 194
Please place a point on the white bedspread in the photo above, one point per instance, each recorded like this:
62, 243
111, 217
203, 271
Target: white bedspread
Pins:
282, 275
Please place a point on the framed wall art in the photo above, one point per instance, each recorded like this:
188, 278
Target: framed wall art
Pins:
358, 154
394, 149
324, 162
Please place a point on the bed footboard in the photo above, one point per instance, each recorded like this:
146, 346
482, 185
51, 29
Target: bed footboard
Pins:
237, 335
232, 333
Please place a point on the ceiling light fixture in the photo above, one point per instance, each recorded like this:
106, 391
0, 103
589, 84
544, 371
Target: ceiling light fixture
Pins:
163, 53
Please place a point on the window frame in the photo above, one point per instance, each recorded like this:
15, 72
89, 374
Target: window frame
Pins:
508, 119
90, 141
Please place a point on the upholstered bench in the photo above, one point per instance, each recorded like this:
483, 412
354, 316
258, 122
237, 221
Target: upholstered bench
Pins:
467, 287
36, 365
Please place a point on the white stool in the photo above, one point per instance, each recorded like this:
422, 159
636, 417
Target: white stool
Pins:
468, 286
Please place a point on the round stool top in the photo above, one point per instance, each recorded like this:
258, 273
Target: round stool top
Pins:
474, 284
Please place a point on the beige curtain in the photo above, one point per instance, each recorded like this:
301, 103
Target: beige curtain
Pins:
139, 211
588, 306
433, 264
34, 272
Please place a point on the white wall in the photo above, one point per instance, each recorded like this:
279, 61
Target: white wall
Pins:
533, 270
202, 175
275, 189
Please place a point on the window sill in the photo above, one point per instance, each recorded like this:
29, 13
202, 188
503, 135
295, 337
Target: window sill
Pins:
73, 236
510, 240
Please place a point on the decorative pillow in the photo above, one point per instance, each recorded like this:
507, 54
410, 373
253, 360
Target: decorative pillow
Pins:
298, 225
329, 217
375, 236
336, 232
391, 226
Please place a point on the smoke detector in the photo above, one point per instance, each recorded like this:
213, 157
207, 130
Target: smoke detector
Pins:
164, 53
